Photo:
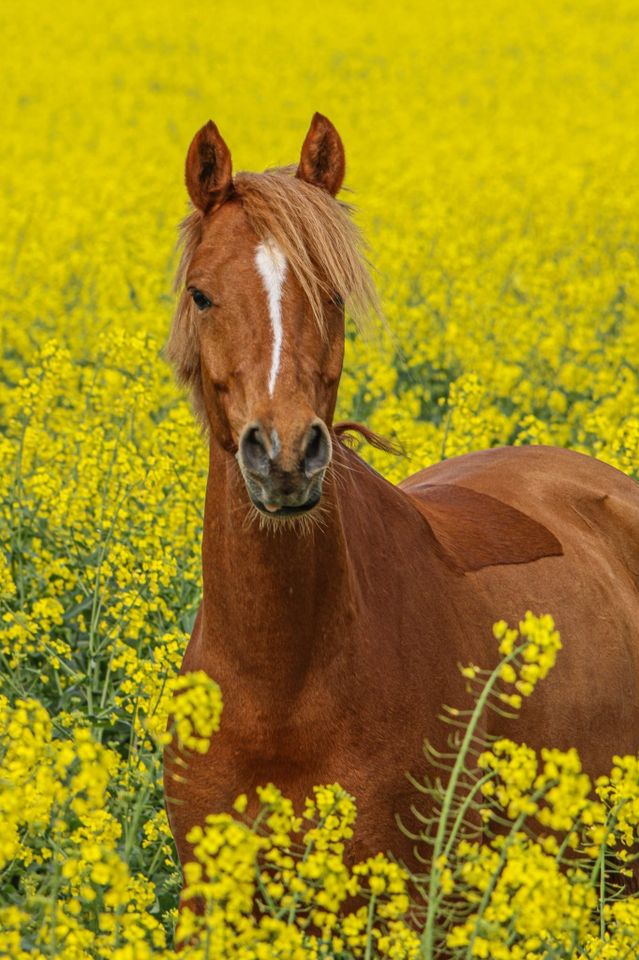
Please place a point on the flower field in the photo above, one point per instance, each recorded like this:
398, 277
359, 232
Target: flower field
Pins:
493, 151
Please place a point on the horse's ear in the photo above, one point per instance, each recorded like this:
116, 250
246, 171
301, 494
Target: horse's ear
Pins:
322, 161
208, 169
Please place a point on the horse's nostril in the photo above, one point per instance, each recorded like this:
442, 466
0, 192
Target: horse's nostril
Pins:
318, 450
253, 452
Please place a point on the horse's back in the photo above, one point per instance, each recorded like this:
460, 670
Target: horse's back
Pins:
541, 468
591, 588
578, 498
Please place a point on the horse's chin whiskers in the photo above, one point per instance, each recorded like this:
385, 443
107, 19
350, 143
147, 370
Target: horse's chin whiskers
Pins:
304, 524
252, 516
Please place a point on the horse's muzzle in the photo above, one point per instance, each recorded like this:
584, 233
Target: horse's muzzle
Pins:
284, 477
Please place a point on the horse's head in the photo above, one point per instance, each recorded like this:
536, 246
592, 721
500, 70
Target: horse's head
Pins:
268, 261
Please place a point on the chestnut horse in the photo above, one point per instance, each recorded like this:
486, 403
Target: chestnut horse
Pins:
336, 607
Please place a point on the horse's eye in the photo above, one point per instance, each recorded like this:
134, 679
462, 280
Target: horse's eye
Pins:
338, 300
200, 299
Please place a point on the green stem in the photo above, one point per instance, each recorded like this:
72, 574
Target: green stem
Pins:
428, 937
369, 928
463, 808
602, 891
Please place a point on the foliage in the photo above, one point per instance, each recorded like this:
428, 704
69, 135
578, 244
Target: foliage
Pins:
495, 158
526, 856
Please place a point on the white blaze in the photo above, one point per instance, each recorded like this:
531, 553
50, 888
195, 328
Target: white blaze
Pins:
271, 265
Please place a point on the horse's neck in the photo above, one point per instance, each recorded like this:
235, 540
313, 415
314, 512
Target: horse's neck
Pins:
277, 601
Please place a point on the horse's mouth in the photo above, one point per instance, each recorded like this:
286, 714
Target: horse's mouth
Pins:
312, 501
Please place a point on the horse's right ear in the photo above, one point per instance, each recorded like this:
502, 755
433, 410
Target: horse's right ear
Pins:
208, 169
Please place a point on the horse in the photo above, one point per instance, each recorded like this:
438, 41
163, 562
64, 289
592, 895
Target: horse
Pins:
337, 607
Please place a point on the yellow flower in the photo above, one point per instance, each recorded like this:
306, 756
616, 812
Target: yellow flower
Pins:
508, 272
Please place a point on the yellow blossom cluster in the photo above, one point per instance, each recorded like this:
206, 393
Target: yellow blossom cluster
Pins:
527, 906
529, 856
195, 711
61, 838
555, 857
67, 833
528, 654
293, 868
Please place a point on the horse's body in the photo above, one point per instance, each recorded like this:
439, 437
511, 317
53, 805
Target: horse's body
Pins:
335, 647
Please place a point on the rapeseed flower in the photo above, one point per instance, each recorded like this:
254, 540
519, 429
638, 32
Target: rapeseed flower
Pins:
499, 191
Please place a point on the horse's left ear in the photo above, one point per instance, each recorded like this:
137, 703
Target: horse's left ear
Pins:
322, 161
208, 169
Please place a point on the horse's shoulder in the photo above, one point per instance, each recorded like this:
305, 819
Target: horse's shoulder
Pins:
477, 530
514, 504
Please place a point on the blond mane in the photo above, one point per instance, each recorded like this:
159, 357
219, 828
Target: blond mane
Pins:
323, 247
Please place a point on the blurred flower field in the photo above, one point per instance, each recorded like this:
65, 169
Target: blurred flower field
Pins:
493, 151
